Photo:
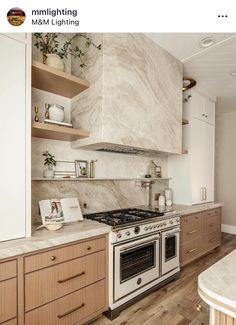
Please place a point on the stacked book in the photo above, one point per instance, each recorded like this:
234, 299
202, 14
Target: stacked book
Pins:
68, 125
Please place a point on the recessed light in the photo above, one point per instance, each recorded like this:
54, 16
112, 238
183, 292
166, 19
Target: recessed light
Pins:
207, 42
233, 73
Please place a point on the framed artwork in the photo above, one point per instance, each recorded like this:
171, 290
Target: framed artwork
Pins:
81, 168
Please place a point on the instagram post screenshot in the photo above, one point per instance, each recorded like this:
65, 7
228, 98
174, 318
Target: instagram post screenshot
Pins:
118, 161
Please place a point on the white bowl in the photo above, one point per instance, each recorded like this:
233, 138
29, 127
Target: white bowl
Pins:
53, 226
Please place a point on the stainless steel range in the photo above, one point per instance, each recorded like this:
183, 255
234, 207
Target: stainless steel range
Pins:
143, 253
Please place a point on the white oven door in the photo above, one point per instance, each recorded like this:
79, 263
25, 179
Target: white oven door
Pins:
135, 264
170, 250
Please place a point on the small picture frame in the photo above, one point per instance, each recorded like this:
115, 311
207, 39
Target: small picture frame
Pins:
158, 171
81, 168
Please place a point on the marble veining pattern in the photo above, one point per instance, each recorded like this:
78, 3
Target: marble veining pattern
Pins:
98, 196
141, 102
43, 238
219, 281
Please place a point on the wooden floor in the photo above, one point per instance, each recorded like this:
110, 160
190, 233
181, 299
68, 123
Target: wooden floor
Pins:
176, 302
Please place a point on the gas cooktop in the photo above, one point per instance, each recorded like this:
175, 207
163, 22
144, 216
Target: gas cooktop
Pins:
123, 216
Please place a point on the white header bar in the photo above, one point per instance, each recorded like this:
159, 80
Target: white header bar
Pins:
122, 16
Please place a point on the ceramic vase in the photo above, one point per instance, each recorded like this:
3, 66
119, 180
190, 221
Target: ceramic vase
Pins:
56, 112
48, 172
54, 61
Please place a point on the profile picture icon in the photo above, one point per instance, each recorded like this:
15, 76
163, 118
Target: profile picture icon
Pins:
16, 16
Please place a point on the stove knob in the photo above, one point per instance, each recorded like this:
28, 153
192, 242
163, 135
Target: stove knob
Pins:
177, 219
171, 222
127, 233
164, 224
137, 230
119, 235
146, 228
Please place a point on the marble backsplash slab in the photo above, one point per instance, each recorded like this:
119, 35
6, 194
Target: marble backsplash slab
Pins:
97, 195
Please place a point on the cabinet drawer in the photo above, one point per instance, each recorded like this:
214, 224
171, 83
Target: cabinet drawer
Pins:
55, 256
190, 250
56, 281
190, 231
8, 270
212, 223
212, 240
195, 217
74, 308
211, 213
8, 299
10, 322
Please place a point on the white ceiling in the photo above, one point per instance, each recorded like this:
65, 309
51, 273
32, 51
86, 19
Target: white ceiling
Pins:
210, 67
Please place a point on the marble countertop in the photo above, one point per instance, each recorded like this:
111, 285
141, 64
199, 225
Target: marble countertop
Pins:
184, 209
217, 285
43, 238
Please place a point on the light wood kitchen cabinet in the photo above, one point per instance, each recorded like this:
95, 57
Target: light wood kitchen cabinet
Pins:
75, 308
200, 233
66, 285
192, 175
8, 292
62, 285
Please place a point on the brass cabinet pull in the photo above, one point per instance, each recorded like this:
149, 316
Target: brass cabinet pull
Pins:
88, 248
71, 311
199, 307
192, 250
213, 239
53, 258
191, 232
71, 277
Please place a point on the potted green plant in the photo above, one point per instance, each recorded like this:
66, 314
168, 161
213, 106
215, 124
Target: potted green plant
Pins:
50, 162
53, 54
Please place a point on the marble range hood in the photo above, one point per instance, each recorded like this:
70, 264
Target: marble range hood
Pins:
134, 104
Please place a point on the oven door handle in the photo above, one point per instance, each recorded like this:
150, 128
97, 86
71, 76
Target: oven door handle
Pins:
122, 249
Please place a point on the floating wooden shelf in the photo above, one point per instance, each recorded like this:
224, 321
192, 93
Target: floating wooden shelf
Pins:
99, 179
56, 81
55, 132
184, 152
185, 122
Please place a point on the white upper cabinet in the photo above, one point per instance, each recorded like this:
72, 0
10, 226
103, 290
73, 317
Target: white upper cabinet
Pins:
199, 106
13, 138
193, 174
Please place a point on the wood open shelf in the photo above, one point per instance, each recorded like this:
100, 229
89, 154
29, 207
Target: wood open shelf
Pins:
56, 81
185, 122
55, 132
98, 179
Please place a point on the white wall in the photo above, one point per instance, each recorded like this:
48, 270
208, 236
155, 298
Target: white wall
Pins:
226, 168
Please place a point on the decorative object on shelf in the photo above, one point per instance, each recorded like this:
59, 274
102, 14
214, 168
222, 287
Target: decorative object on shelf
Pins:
46, 111
188, 83
68, 125
81, 167
65, 169
48, 44
169, 195
158, 172
91, 168
54, 61
50, 162
162, 200
36, 111
56, 112
186, 99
